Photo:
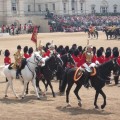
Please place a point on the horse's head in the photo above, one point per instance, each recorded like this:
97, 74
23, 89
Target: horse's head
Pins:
70, 59
57, 60
37, 59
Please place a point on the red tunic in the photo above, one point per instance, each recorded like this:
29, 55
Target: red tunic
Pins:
118, 60
107, 59
7, 60
47, 53
100, 59
26, 55
77, 60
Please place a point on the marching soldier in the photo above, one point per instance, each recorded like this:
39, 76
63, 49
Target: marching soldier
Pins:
18, 57
7, 59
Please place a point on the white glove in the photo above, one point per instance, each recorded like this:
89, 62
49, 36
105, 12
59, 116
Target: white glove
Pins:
97, 62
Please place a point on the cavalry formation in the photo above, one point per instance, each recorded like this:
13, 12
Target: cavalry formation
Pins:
83, 66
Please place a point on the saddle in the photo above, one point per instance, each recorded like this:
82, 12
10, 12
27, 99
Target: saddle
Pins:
93, 73
78, 74
10, 67
23, 63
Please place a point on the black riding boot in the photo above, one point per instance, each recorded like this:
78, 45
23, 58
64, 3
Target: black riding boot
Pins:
18, 72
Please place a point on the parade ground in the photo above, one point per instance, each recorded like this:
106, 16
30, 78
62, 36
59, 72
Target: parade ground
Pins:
49, 108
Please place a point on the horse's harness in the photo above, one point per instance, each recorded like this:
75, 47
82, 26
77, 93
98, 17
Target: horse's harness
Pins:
33, 63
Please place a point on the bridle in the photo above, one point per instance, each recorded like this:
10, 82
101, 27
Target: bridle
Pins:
69, 57
35, 63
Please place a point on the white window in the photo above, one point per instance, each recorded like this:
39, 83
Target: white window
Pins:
29, 8
115, 8
81, 7
93, 9
14, 5
53, 6
39, 8
104, 9
46, 7
73, 4
64, 7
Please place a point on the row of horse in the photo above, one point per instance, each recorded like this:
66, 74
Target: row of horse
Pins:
110, 33
57, 66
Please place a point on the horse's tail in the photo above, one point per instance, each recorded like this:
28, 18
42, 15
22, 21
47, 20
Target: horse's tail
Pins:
2, 70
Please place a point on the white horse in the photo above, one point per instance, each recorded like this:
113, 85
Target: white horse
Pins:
28, 74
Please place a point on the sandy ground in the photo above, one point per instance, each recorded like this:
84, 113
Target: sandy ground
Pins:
54, 108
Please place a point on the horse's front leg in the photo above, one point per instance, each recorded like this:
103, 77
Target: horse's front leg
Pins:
76, 93
49, 83
8, 84
95, 101
35, 88
27, 89
24, 89
104, 97
70, 84
11, 85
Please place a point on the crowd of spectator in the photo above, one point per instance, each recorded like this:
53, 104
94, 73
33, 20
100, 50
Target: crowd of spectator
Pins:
17, 29
79, 23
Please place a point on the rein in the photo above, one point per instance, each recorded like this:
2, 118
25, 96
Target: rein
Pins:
34, 64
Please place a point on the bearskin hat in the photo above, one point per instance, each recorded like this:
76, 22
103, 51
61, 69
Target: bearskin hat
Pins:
47, 44
102, 49
19, 47
115, 49
80, 48
108, 53
76, 52
99, 52
61, 46
67, 48
94, 50
63, 51
7, 53
30, 50
115, 52
70, 51
108, 49
25, 49
74, 46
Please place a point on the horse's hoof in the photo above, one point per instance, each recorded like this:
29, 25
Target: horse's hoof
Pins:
68, 106
61, 93
38, 99
44, 94
22, 98
96, 107
54, 95
102, 106
6, 96
80, 104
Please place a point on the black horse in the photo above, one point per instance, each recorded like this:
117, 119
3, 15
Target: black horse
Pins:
112, 34
61, 71
97, 81
47, 72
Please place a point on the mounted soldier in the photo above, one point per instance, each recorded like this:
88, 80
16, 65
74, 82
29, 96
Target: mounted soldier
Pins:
88, 62
40, 49
18, 57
